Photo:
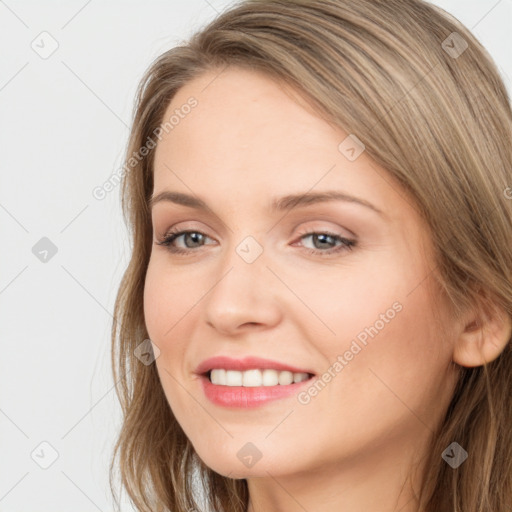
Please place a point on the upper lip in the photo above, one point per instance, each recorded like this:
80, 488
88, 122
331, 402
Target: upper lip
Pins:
246, 363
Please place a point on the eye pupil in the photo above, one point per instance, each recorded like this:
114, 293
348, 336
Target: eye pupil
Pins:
194, 236
322, 238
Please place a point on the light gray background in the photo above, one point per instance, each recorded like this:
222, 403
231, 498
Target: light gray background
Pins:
64, 127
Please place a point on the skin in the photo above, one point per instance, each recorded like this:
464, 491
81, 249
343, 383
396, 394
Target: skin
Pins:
353, 445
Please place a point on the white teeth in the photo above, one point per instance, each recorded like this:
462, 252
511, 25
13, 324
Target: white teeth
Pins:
233, 378
285, 378
218, 377
270, 378
299, 377
253, 378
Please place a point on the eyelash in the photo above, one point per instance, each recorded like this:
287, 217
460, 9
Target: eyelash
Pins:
346, 244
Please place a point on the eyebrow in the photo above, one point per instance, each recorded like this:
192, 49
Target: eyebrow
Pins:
280, 204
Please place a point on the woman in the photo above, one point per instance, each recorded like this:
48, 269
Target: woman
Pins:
317, 313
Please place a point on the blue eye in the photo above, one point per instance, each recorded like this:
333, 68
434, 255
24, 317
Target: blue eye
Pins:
317, 236
329, 238
173, 235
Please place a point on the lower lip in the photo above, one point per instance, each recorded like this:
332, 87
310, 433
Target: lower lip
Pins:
248, 397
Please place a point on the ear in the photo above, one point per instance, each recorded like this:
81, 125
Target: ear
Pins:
482, 337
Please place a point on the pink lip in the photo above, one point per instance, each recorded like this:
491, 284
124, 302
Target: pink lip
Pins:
246, 397
247, 363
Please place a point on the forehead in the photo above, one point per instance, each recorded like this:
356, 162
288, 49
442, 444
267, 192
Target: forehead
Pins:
244, 110
247, 126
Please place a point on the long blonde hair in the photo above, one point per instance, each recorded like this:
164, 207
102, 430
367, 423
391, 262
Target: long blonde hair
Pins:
427, 101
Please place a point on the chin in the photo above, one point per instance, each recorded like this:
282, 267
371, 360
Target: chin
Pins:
239, 465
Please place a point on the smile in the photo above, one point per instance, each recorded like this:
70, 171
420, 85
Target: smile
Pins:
243, 396
255, 377
250, 381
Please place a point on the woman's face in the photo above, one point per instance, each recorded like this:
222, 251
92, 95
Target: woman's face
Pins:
280, 283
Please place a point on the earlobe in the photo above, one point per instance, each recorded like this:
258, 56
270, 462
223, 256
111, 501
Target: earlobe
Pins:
482, 338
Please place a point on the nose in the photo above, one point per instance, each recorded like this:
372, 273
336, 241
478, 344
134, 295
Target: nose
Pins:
243, 296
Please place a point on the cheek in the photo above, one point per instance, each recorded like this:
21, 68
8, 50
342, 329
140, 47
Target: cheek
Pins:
165, 312
382, 327
342, 301
171, 304
393, 361
167, 298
